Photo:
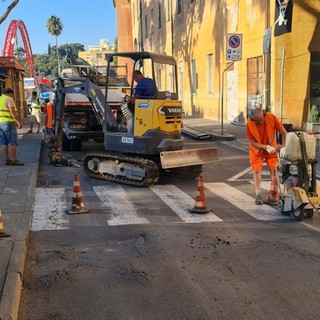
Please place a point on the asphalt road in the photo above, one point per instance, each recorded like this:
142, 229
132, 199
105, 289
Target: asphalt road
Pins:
159, 262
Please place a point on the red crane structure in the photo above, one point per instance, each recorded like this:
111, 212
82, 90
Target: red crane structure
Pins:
8, 46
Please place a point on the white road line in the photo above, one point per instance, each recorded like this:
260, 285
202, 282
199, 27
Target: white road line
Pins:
180, 202
311, 227
265, 184
240, 174
49, 210
244, 202
122, 210
248, 170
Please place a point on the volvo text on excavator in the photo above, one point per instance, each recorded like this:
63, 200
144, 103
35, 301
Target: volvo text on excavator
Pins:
143, 139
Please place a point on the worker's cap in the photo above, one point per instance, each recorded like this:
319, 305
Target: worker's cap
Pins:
7, 90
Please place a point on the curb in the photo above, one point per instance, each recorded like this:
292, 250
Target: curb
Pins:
10, 301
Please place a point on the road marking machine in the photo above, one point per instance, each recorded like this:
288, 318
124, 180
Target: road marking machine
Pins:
299, 189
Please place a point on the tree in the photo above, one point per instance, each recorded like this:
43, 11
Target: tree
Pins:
55, 26
8, 10
20, 53
46, 64
115, 60
70, 49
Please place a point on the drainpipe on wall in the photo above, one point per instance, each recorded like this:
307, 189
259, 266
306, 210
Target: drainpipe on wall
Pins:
141, 27
267, 59
171, 17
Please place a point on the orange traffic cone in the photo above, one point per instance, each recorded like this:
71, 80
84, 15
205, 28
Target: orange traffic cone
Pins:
2, 233
77, 201
200, 204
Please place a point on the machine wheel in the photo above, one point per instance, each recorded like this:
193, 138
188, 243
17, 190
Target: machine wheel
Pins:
66, 143
281, 207
72, 144
76, 144
309, 213
298, 214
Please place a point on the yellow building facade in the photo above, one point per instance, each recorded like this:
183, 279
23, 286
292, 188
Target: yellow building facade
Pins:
96, 55
285, 81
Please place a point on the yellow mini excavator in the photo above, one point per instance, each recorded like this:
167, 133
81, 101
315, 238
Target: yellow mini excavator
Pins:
142, 139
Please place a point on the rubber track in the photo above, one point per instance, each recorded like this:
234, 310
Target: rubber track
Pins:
150, 167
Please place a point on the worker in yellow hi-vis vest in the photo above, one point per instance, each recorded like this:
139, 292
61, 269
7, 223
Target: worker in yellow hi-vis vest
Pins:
9, 120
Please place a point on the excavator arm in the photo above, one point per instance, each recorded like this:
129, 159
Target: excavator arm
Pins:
95, 95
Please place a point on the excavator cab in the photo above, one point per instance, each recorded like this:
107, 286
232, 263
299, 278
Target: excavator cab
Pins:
152, 123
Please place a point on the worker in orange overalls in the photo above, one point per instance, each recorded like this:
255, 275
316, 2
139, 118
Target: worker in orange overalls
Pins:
262, 127
48, 111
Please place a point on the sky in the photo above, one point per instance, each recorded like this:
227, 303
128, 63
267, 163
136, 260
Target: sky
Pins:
84, 21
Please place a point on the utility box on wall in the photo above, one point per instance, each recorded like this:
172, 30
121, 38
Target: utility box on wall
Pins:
12, 74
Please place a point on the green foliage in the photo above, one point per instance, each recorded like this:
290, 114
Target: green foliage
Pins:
70, 49
314, 115
115, 60
46, 64
54, 26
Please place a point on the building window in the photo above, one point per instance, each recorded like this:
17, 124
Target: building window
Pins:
99, 55
210, 73
146, 26
168, 10
159, 15
179, 6
255, 82
194, 76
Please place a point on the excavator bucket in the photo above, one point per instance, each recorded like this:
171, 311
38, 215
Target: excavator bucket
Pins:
188, 157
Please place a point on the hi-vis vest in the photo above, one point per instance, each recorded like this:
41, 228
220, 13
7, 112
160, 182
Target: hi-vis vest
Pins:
5, 115
49, 115
270, 132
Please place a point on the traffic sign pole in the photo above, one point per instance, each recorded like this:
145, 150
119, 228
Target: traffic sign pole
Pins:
233, 53
222, 91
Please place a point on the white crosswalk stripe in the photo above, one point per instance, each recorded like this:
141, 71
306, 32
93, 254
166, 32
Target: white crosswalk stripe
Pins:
49, 212
51, 205
115, 200
243, 201
180, 202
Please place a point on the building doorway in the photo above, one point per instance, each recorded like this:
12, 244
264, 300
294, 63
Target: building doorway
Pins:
254, 83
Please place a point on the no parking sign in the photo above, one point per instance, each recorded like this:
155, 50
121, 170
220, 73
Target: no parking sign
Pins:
234, 46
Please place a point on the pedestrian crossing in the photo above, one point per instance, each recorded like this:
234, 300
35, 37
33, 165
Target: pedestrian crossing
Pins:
180, 202
49, 212
121, 205
115, 200
241, 200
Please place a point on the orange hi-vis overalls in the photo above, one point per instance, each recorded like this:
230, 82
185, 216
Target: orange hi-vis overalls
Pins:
265, 133
49, 115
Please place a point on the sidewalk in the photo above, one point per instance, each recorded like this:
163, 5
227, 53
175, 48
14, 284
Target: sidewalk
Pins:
17, 191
